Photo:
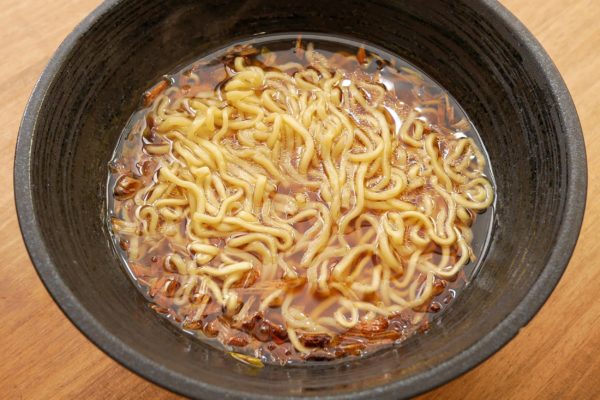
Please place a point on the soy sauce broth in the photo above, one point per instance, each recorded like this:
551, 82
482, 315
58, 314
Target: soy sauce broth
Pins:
265, 338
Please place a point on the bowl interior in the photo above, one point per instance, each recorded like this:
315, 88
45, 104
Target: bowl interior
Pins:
97, 82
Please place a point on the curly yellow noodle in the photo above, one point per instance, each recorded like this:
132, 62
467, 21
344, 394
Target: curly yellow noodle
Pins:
302, 181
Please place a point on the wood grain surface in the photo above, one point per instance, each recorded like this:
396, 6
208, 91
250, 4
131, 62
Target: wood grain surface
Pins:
44, 356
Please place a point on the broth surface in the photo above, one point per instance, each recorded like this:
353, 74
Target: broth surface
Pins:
236, 232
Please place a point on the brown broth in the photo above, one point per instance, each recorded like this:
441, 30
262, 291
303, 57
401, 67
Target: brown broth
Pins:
264, 336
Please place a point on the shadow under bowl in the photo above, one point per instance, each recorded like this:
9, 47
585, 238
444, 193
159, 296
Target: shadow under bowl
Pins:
485, 58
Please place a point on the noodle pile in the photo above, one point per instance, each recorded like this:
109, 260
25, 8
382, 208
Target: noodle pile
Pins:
302, 194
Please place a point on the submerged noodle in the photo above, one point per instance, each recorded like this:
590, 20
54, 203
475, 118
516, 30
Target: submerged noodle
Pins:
297, 180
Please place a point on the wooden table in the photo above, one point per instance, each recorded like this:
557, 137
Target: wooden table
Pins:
44, 356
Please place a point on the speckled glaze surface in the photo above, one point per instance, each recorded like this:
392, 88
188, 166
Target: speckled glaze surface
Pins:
475, 49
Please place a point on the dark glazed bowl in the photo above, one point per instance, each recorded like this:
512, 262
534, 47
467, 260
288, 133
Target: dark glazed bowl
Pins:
476, 49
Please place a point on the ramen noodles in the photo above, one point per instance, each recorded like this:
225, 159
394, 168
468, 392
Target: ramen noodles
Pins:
293, 202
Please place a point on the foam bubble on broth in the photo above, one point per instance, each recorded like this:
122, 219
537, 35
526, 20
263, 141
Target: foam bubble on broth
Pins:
300, 199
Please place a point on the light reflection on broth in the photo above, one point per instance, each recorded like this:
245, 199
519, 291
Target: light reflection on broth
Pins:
300, 199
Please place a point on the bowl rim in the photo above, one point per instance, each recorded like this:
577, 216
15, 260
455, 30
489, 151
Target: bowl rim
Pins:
489, 344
